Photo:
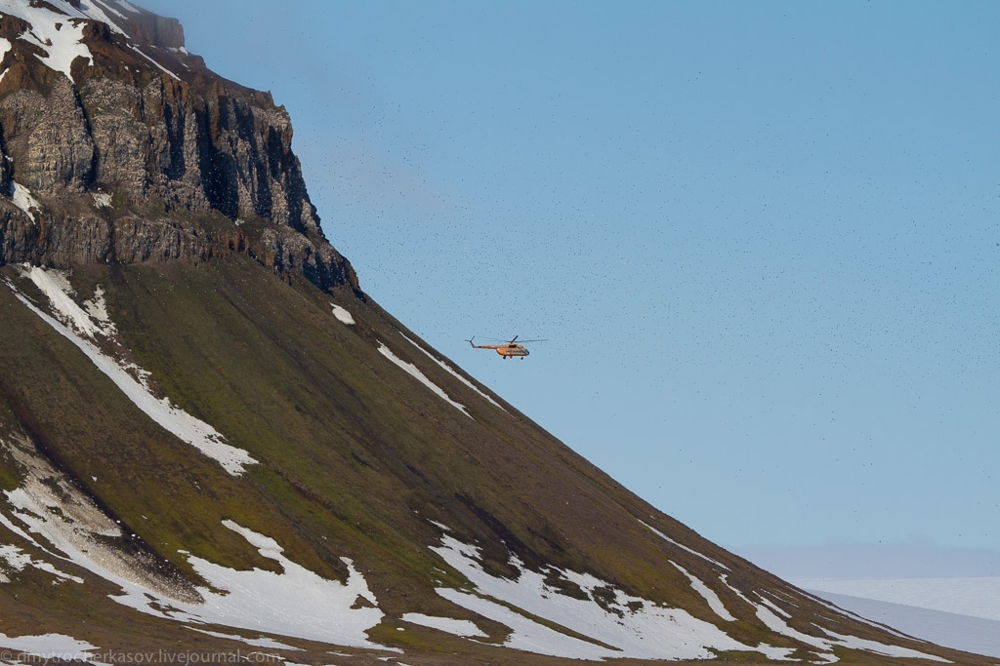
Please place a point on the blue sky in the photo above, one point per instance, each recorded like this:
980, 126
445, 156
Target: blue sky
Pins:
761, 239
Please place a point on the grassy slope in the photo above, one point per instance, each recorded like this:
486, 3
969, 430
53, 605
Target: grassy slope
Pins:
356, 456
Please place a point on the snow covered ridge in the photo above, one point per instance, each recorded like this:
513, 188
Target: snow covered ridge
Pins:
56, 27
83, 326
620, 625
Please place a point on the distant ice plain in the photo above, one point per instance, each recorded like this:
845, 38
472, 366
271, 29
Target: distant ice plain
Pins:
947, 596
954, 630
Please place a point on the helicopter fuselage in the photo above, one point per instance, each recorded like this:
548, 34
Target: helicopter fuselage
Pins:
512, 350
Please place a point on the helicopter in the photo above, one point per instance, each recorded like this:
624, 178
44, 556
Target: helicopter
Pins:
506, 349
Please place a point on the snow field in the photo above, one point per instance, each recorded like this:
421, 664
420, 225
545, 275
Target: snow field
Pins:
295, 602
623, 626
462, 628
56, 34
639, 629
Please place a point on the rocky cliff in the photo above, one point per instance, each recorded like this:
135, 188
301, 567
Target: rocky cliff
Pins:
118, 145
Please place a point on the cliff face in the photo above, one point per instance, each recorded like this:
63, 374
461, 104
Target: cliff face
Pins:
116, 144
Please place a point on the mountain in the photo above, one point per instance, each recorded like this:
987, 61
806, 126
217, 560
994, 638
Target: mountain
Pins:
215, 447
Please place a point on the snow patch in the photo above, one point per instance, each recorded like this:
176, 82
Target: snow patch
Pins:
93, 11
127, 6
683, 547
778, 653
81, 330
59, 33
156, 64
342, 315
22, 198
779, 626
462, 628
101, 199
97, 309
43, 20
774, 607
620, 626
18, 560
5, 46
296, 602
262, 641
526, 634
107, 5
63, 45
421, 377
49, 646
452, 371
56, 287
708, 594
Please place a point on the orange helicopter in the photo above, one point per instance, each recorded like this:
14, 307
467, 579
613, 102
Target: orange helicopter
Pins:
507, 349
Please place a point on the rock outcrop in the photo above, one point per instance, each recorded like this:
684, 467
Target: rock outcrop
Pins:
129, 149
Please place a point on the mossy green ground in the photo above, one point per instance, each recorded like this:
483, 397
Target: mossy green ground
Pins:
356, 459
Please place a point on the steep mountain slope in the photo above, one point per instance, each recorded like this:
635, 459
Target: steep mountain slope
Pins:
215, 447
